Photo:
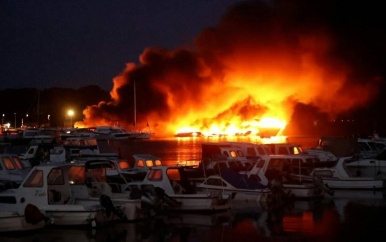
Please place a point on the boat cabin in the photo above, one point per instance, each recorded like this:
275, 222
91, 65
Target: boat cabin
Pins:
91, 179
44, 186
287, 167
235, 151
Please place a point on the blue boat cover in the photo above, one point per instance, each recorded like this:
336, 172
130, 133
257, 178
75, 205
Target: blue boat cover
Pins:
240, 181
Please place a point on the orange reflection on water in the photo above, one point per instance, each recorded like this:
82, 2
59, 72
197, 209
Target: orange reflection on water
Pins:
306, 224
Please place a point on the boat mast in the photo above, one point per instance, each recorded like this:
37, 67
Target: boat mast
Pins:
135, 108
38, 111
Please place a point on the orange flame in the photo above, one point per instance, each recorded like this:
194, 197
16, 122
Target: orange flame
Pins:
246, 77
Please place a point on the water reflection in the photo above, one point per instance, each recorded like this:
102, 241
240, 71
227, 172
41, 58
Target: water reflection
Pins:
326, 220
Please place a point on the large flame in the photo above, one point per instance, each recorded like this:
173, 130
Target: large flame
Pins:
244, 77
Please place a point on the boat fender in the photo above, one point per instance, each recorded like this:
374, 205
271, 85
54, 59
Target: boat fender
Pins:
32, 214
106, 202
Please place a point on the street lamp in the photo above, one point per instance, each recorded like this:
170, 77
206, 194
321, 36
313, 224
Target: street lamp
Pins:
70, 113
2, 120
15, 120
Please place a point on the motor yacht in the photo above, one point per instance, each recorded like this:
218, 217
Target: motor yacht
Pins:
339, 177
292, 172
170, 186
47, 188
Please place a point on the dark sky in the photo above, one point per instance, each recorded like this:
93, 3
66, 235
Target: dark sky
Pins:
66, 43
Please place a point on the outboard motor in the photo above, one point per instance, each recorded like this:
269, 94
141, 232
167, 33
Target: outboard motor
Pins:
106, 202
318, 182
165, 198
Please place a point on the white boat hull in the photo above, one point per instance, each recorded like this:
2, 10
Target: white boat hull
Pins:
67, 218
303, 191
246, 196
130, 208
366, 184
201, 203
13, 223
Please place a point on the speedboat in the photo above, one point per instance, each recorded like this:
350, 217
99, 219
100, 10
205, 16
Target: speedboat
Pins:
176, 193
47, 188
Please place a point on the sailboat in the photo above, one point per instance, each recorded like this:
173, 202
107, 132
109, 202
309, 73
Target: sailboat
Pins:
134, 133
119, 133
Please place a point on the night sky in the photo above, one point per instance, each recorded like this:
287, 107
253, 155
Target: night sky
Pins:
66, 43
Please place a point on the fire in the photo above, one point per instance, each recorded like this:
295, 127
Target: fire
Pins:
238, 129
245, 76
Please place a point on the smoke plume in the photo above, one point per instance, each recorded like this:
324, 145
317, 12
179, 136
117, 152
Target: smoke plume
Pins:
261, 59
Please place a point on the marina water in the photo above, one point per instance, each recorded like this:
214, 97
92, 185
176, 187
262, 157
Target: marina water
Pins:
351, 216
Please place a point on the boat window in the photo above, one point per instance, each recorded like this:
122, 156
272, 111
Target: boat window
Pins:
309, 161
31, 151
233, 153
55, 177
73, 142
155, 175
267, 150
149, 163
98, 174
18, 163
91, 142
158, 163
364, 146
301, 171
67, 142
222, 165
323, 173
140, 163
82, 142
295, 162
123, 164
260, 163
8, 163
233, 165
251, 151
215, 182
35, 179
282, 151
294, 150
380, 146
225, 153
173, 174
240, 153
76, 175
372, 146
260, 150
275, 162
